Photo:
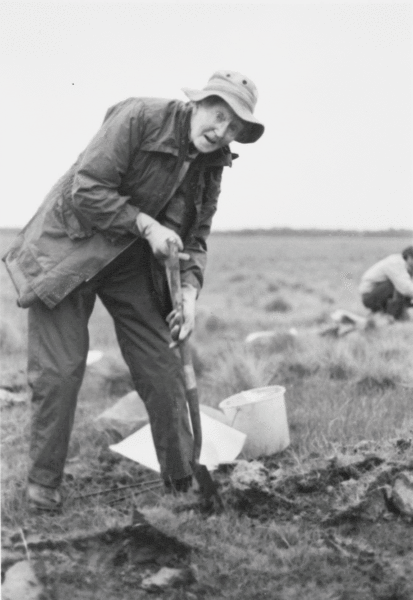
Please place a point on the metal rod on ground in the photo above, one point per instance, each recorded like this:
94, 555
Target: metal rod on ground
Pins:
131, 495
119, 489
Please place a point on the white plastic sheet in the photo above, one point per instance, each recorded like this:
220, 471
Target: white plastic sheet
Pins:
221, 444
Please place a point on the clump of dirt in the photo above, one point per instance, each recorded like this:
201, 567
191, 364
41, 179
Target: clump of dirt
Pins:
350, 501
350, 485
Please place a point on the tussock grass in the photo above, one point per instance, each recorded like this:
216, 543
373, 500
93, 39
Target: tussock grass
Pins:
277, 305
361, 354
232, 369
337, 390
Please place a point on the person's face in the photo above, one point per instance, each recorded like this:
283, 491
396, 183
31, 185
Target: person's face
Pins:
214, 126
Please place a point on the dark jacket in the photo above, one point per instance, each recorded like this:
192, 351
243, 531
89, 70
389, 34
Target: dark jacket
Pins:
89, 216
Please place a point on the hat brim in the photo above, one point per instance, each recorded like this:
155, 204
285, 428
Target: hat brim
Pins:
253, 129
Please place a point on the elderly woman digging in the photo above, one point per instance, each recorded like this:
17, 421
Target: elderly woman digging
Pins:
151, 174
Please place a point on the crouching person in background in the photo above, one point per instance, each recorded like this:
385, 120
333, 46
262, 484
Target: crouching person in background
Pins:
151, 174
387, 286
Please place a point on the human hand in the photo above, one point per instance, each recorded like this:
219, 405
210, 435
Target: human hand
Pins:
181, 322
159, 237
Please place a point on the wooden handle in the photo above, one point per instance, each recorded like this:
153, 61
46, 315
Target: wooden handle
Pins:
173, 275
174, 282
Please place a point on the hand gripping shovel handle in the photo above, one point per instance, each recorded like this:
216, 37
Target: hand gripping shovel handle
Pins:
208, 488
174, 283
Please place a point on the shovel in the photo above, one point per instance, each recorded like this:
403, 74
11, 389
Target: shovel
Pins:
211, 501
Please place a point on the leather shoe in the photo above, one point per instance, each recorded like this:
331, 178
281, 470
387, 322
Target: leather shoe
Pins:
44, 498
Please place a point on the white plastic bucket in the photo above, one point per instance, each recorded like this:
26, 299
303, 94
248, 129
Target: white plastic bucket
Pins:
260, 413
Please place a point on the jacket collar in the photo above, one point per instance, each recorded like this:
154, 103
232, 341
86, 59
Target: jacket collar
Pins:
220, 158
174, 135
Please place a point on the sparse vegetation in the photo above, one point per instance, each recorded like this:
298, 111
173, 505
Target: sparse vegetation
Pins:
340, 392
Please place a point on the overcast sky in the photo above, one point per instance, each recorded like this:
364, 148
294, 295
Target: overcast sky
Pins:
335, 95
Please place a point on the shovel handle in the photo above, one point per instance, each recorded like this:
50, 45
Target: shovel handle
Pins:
173, 276
174, 283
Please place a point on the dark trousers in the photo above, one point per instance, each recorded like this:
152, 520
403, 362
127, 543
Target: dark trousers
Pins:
385, 298
58, 347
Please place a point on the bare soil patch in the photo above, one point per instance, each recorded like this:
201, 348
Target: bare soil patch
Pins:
343, 504
108, 564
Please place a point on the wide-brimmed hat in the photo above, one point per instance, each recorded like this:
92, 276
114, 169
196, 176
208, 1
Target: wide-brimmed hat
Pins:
240, 93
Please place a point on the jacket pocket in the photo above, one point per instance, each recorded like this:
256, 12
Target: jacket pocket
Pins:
25, 293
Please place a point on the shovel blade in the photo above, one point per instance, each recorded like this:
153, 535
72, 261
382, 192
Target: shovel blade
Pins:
208, 489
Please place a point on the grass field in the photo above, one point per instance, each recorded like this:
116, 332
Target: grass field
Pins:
339, 392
